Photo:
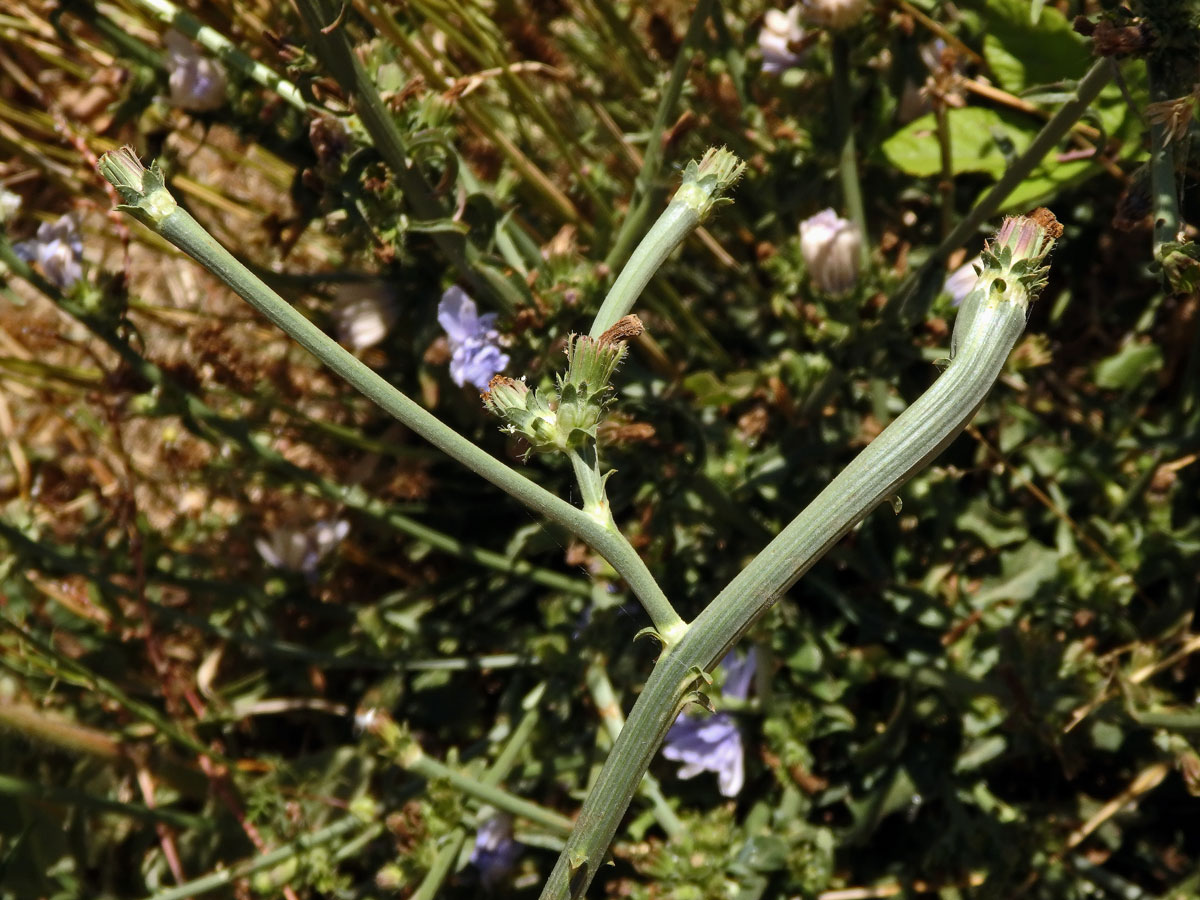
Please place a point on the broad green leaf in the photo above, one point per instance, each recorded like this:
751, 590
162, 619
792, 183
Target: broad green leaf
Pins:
1128, 366
1022, 53
1025, 570
975, 137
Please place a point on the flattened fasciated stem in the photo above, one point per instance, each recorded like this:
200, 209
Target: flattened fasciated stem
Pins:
992, 320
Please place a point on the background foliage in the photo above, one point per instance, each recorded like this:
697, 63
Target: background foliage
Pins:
991, 691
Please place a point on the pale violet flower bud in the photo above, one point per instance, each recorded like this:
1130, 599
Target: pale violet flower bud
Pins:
835, 14
831, 246
474, 340
58, 251
197, 82
10, 205
1012, 269
495, 852
781, 32
363, 314
714, 743
962, 280
302, 550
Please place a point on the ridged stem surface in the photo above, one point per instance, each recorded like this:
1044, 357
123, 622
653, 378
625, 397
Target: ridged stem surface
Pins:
900, 451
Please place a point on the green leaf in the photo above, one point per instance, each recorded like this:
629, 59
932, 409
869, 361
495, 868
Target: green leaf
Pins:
976, 138
1128, 366
1024, 571
974, 144
1022, 52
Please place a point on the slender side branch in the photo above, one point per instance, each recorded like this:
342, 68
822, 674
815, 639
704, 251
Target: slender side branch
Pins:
991, 320
643, 195
152, 204
216, 43
703, 188
333, 46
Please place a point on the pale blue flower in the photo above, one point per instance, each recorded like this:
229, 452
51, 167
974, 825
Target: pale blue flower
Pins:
474, 340
495, 852
57, 249
302, 550
962, 280
714, 743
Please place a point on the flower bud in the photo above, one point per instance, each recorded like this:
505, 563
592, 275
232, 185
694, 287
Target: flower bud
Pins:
1012, 268
1015, 259
831, 246
780, 34
706, 181
197, 83
527, 412
835, 14
566, 418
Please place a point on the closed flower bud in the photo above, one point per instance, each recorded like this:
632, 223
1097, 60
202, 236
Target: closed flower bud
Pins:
781, 34
835, 14
831, 246
1012, 268
10, 205
363, 314
705, 181
197, 83
525, 412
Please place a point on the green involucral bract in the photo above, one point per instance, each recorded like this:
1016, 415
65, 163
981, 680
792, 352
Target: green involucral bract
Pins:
565, 418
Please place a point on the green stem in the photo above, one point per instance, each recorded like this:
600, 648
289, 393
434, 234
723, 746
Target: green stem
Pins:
1163, 184
43, 794
223, 877
989, 332
703, 188
604, 698
333, 45
843, 114
127, 44
217, 44
586, 464
495, 775
946, 185
675, 224
643, 195
918, 289
429, 768
157, 210
204, 421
